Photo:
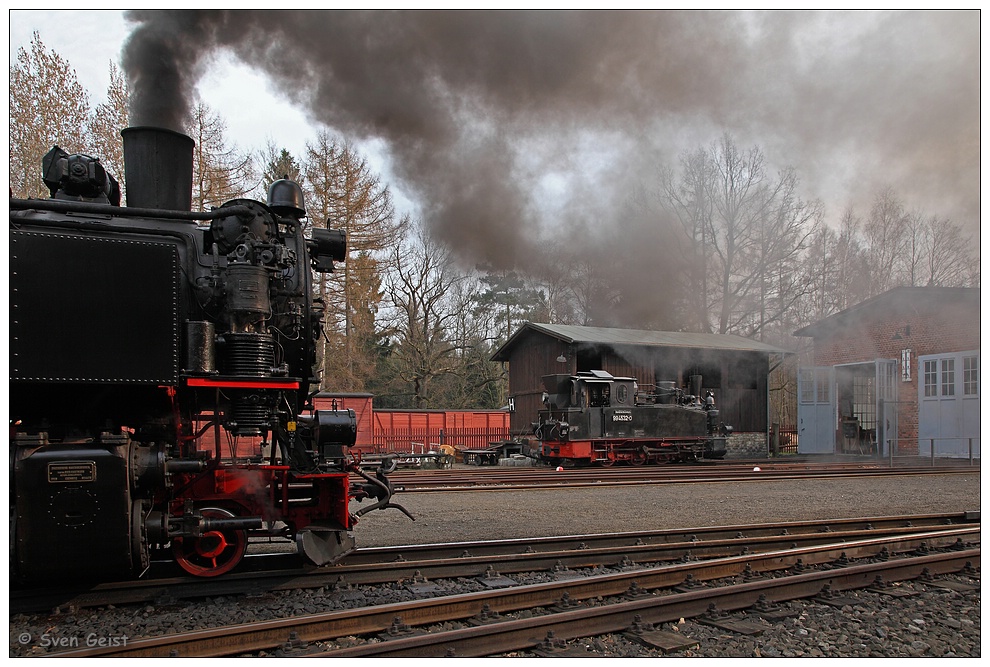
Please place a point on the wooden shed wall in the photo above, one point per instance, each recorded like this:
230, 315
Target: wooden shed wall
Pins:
533, 357
738, 378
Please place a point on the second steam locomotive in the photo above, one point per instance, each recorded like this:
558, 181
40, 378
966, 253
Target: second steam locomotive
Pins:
593, 418
148, 345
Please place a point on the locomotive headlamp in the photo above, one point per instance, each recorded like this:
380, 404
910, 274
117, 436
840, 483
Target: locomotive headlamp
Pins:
326, 246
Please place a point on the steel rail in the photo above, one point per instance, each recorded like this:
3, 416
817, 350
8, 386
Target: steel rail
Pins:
485, 640
464, 559
667, 535
681, 469
390, 564
238, 640
609, 477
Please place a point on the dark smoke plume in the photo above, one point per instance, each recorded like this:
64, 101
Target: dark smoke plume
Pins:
517, 128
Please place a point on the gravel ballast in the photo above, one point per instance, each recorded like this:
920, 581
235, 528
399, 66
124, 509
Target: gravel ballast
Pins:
932, 623
487, 515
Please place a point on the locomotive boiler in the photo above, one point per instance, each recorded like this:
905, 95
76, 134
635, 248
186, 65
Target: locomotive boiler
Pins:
145, 338
594, 418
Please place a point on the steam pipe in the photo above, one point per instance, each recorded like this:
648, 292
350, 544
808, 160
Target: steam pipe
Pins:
62, 206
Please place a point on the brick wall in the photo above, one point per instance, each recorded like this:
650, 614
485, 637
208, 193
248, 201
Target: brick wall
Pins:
927, 326
951, 328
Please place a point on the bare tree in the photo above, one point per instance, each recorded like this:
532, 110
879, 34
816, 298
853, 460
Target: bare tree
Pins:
555, 289
687, 199
343, 193
418, 289
48, 107
473, 380
884, 234
834, 269
594, 294
108, 119
744, 232
852, 270
780, 239
739, 202
220, 171
946, 255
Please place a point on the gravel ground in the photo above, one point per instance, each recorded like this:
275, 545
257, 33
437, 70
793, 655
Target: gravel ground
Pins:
483, 515
933, 623
930, 624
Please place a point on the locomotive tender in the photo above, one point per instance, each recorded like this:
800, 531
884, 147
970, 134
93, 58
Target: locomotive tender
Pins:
143, 338
593, 418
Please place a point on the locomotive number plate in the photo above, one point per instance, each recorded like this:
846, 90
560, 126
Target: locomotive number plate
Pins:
622, 416
71, 471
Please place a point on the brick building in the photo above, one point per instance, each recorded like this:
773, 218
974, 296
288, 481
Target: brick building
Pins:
900, 369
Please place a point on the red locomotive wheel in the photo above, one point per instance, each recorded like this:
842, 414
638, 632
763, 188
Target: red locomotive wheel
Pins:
213, 553
638, 458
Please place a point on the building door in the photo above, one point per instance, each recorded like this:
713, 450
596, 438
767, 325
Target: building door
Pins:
816, 410
949, 404
886, 384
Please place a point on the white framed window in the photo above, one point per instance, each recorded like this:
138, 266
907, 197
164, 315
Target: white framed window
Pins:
971, 376
948, 377
931, 378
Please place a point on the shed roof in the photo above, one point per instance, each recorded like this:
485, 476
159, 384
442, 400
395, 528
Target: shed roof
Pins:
573, 334
880, 306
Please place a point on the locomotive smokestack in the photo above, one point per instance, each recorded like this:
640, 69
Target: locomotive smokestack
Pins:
158, 168
695, 384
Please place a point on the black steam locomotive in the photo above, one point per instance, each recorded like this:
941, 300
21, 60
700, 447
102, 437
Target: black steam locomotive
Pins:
145, 338
593, 418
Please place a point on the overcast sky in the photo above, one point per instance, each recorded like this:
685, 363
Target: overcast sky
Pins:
91, 39
485, 122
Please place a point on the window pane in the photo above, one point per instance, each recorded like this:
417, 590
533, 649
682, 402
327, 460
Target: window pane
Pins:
931, 379
971, 376
807, 386
822, 382
948, 377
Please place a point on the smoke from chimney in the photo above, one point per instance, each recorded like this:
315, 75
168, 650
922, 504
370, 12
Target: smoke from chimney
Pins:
518, 129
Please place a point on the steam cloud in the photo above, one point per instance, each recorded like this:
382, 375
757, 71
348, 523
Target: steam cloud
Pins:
517, 129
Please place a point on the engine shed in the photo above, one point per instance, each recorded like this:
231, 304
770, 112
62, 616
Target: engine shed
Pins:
734, 368
895, 375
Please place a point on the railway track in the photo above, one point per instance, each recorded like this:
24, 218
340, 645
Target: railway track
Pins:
639, 616
488, 559
654, 581
508, 478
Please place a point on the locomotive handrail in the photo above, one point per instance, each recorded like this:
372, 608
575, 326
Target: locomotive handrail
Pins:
63, 206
